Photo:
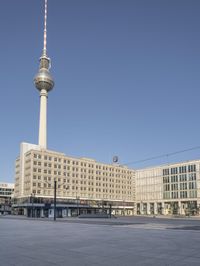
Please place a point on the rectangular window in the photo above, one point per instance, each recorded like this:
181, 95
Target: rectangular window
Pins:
192, 168
165, 171
183, 194
192, 185
174, 171
193, 194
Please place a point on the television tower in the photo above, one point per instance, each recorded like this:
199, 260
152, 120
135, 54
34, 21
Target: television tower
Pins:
44, 83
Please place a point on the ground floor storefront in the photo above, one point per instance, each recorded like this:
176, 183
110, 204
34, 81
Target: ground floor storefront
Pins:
39, 211
186, 208
32, 207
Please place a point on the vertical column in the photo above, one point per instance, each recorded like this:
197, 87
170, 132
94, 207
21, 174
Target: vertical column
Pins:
148, 208
135, 209
42, 213
179, 208
55, 187
43, 119
155, 208
25, 212
198, 207
141, 208
163, 208
69, 212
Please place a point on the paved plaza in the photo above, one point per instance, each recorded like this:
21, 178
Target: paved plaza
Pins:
99, 242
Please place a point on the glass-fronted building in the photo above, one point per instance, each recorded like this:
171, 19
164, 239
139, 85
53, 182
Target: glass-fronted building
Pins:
169, 189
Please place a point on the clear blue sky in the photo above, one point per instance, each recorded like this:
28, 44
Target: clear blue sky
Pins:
127, 78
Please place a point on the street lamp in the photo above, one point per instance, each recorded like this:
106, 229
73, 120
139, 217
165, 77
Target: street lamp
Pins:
55, 186
55, 197
77, 204
110, 210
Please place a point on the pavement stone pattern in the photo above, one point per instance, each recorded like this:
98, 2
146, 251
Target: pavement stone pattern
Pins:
124, 241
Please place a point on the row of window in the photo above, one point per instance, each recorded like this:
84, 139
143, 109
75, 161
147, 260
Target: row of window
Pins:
180, 186
179, 178
50, 179
59, 173
180, 169
82, 194
181, 194
72, 162
6, 189
5, 193
49, 185
90, 189
90, 172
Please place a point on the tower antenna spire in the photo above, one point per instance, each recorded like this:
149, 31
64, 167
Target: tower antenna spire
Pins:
45, 29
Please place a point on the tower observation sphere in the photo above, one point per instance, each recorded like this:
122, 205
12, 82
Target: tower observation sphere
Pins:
43, 80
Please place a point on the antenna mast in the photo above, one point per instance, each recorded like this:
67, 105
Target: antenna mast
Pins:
45, 30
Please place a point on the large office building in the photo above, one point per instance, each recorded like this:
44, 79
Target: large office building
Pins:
82, 185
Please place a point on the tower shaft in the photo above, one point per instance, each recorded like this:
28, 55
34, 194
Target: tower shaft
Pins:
43, 119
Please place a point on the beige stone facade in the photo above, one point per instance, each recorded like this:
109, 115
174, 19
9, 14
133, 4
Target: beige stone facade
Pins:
83, 178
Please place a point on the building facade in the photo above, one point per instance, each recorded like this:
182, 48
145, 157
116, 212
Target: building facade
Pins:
83, 185
169, 189
86, 186
6, 195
